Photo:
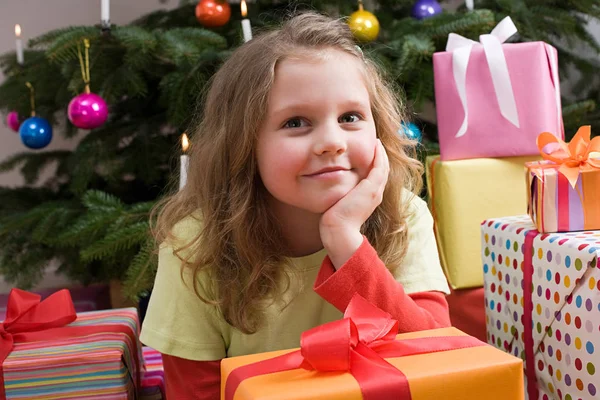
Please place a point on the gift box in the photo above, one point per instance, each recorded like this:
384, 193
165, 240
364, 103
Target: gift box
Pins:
493, 99
360, 357
462, 193
554, 325
153, 382
563, 190
49, 352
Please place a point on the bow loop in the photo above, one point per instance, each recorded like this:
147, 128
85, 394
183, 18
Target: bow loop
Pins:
580, 154
496, 60
19, 303
327, 347
373, 323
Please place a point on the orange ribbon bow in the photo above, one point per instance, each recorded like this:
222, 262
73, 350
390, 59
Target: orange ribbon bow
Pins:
580, 154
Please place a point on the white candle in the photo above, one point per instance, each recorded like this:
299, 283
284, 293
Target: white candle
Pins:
246, 28
184, 161
105, 14
470, 4
19, 43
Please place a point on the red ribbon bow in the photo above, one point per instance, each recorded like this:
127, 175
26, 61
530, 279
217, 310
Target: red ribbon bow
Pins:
28, 319
357, 344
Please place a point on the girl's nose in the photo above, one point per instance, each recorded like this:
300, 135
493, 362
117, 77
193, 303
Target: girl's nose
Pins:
331, 139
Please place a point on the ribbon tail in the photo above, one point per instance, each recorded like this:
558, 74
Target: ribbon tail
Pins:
553, 62
378, 379
460, 61
6, 346
571, 173
284, 362
532, 386
504, 30
500, 78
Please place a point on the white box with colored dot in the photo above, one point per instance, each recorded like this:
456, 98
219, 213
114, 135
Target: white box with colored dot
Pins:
562, 353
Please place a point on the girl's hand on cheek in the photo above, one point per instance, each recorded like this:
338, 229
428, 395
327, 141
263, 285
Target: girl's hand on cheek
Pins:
340, 225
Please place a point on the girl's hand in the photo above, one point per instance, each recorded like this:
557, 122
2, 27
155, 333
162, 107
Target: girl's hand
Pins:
340, 225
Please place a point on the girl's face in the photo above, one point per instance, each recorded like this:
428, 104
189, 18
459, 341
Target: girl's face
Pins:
318, 139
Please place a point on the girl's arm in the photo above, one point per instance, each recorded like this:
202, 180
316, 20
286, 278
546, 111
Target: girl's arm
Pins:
364, 273
192, 380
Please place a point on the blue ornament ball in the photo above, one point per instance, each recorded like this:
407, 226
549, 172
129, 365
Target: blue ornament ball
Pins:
35, 132
411, 131
425, 9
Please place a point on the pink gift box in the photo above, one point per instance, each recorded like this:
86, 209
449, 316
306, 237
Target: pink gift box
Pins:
532, 70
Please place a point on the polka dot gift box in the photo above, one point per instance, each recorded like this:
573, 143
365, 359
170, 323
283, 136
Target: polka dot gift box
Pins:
555, 325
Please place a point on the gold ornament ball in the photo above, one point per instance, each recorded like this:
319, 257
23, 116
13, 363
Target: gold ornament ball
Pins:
364, 25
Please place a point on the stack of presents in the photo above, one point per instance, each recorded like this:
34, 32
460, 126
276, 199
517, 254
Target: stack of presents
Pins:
515, 211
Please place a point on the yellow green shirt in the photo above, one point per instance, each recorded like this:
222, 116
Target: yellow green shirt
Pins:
178, 323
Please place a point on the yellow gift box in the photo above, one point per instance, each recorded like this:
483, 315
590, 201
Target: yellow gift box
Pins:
464, 193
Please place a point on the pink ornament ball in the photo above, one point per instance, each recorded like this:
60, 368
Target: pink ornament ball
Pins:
87, 111
12, 120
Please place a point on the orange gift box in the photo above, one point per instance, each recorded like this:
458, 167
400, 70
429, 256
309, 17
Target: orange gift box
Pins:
476, 371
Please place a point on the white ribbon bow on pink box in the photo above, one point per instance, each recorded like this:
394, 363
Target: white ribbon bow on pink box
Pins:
461, 47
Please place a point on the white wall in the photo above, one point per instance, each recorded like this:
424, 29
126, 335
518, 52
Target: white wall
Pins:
40, 16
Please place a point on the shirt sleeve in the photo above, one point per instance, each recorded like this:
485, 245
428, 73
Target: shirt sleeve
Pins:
177, 322
364, 273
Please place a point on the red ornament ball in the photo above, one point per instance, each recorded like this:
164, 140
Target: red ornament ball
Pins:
213, 13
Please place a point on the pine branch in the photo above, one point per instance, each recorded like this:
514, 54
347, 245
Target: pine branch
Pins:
185, 45
98, 201
63, 48
142, 270
23, 264
116, 242
24, 221
576, 115
51, 225
87, 228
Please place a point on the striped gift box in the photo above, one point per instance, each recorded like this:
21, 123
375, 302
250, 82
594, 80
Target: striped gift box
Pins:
153, 382
555, 206
95, 366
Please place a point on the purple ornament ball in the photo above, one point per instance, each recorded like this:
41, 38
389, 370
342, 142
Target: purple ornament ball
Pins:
12, 120
87, 111
426, 8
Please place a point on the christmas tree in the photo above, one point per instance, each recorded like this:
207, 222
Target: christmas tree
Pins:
92, 216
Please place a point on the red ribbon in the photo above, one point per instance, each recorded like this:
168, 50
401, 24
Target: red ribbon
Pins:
532, 387
357, 344
28, 319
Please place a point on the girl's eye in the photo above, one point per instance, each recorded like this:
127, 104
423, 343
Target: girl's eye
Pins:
349, 118
294, 123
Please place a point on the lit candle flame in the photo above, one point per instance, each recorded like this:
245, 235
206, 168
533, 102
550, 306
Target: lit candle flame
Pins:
244, 8
18, 30
185, 143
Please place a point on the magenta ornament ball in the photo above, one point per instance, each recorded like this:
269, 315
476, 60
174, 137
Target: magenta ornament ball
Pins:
12, 120
87, 111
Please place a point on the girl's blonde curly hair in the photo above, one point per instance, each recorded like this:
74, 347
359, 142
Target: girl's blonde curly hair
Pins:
239, 245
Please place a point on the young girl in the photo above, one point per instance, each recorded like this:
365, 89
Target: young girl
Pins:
288, 210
